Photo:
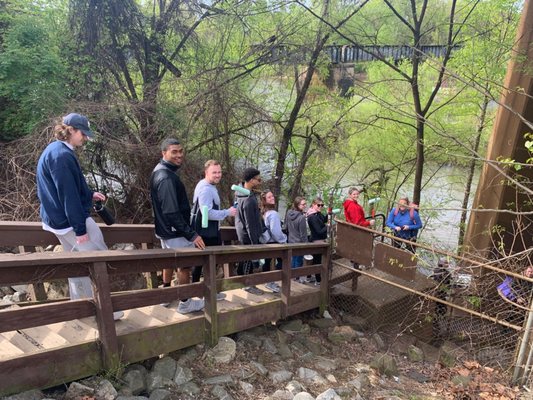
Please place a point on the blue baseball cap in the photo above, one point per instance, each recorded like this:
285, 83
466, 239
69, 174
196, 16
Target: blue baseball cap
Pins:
80, 122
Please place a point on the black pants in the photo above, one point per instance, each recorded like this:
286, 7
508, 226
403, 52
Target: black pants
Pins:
197, 271
268, 262
317, 259
408, 246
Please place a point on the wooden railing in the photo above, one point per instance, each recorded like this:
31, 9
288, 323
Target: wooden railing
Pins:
31, 234
30, 237
112, 351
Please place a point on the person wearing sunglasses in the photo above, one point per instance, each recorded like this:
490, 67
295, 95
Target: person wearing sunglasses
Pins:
318, 226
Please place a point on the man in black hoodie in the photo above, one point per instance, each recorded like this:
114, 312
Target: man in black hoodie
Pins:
248, 221
172, 212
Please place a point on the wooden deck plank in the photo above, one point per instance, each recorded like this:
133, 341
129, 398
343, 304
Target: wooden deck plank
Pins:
166, 314
142, 319
20, 341
44, 336
74, 331
7, 349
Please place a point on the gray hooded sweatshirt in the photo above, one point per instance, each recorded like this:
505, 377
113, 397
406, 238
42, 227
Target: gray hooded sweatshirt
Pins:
296, 226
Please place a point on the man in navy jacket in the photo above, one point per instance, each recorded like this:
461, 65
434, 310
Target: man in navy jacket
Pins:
66, 199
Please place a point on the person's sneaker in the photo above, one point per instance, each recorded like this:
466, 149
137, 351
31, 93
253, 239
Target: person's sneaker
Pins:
310, 279
221, 296
273, 286
254, 290
190, 306
118, 315
302, 279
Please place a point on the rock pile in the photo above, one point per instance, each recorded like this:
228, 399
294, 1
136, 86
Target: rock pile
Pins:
317, 360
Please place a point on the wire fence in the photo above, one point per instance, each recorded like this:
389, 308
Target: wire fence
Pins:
482, 310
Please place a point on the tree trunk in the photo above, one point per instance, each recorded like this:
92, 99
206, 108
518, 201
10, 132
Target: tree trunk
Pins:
288, 129
419, 169
296, 189
471, 170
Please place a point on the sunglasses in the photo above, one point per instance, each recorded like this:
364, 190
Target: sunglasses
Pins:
320, 205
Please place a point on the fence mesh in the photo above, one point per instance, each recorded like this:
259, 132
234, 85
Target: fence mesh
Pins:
482, 309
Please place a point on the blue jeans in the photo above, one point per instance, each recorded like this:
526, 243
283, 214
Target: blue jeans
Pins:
297, 261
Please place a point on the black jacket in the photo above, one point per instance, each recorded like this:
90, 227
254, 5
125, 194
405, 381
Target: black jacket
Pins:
317, 226
171, 206
248, 221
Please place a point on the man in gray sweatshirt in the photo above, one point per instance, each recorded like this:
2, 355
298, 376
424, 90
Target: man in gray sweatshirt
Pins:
206, 194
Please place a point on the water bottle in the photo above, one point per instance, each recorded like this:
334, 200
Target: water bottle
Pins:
104, 213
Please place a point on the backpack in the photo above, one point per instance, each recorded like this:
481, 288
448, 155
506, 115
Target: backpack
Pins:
412, 208
196, 222
506, 288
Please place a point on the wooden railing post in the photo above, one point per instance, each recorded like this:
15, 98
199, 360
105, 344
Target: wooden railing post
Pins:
107, 333
286, 282
210, 296
325, 275
36, 290
151, 277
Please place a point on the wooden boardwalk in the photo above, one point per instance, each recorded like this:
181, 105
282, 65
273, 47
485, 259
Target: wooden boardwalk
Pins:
34, 340
45, 343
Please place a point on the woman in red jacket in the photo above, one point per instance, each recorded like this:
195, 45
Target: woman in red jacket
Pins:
353, 212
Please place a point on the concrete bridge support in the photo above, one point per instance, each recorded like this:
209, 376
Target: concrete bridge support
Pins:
495, 191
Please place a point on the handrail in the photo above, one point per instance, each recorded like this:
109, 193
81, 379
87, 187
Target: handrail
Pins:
99, 265
19, 233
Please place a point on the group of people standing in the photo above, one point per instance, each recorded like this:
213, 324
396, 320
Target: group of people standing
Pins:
66, 202
403, 220
259, 222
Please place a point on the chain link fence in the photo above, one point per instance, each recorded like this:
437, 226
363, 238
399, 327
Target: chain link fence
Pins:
481, 309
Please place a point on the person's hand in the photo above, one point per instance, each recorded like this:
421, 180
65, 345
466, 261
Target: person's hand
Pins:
397, 228
82, 239
97, 196
372, 222
405, 227
199, 242
232, 211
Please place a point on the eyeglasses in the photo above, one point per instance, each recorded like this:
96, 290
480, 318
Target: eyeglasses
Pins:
320, 205
258, 179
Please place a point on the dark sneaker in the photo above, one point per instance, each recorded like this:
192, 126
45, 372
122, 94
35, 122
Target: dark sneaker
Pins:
254, 290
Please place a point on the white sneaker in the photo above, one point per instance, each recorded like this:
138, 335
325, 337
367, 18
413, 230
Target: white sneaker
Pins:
118, 315
273, 286
190, 306
221, 296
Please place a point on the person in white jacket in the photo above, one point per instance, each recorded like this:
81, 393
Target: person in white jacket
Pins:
273, 232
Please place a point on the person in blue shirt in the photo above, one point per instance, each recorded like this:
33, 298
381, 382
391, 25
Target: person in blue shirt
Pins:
66, 199
405, 223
